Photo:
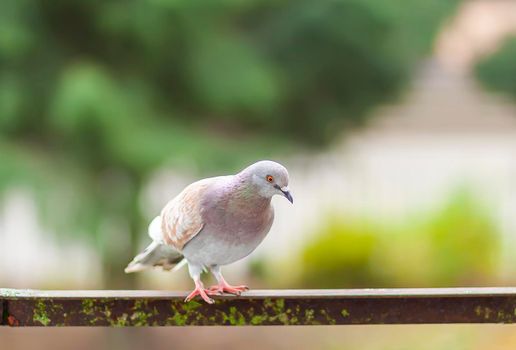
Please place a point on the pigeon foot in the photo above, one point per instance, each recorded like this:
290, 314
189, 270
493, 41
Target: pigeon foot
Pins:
203, 293
226, 288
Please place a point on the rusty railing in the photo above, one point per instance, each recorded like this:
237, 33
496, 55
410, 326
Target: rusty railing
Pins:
258, 307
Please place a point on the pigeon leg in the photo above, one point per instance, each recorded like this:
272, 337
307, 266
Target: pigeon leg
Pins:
195, 273
223, 286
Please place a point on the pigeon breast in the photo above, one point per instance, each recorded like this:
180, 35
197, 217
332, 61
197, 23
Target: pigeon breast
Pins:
236, 220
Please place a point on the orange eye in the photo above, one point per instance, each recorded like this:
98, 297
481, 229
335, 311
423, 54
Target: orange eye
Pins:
270, 178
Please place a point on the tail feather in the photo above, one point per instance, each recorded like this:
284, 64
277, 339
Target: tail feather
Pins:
156, 254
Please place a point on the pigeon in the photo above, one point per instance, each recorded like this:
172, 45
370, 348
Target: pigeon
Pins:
215, 222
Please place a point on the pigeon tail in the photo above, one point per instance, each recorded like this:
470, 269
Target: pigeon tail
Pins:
156, 254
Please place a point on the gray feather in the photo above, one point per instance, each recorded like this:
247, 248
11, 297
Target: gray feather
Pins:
156, 254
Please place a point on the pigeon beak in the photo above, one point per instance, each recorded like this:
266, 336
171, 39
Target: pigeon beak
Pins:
287, 194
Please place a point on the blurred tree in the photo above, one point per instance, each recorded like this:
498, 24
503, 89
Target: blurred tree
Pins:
338, 59
497, 71
94, 95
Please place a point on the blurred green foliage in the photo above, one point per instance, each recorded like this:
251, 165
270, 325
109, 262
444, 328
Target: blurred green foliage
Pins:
463, 242
457, 245
342, 254
498, 70
95, 95
295, 68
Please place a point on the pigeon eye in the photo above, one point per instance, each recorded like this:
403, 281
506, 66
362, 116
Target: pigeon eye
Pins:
269, 178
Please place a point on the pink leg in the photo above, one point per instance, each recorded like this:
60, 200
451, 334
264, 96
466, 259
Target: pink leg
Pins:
203, 293
223, 286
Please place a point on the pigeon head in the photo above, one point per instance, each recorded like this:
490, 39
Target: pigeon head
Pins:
270, 178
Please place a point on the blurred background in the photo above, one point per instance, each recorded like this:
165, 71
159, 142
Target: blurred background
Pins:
395, 118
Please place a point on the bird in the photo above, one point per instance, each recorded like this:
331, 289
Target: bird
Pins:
215, 222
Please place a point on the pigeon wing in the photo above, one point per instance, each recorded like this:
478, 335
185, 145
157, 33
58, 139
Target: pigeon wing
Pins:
181, 219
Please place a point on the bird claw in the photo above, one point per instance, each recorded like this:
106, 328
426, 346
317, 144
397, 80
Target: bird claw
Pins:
226, 288
203, 293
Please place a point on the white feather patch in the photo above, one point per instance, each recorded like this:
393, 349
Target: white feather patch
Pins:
155, 230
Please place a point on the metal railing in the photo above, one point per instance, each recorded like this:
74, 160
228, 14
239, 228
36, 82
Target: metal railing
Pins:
120, 308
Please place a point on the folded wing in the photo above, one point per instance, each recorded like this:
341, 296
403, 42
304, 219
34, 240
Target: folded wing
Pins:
178, 223
181, 218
